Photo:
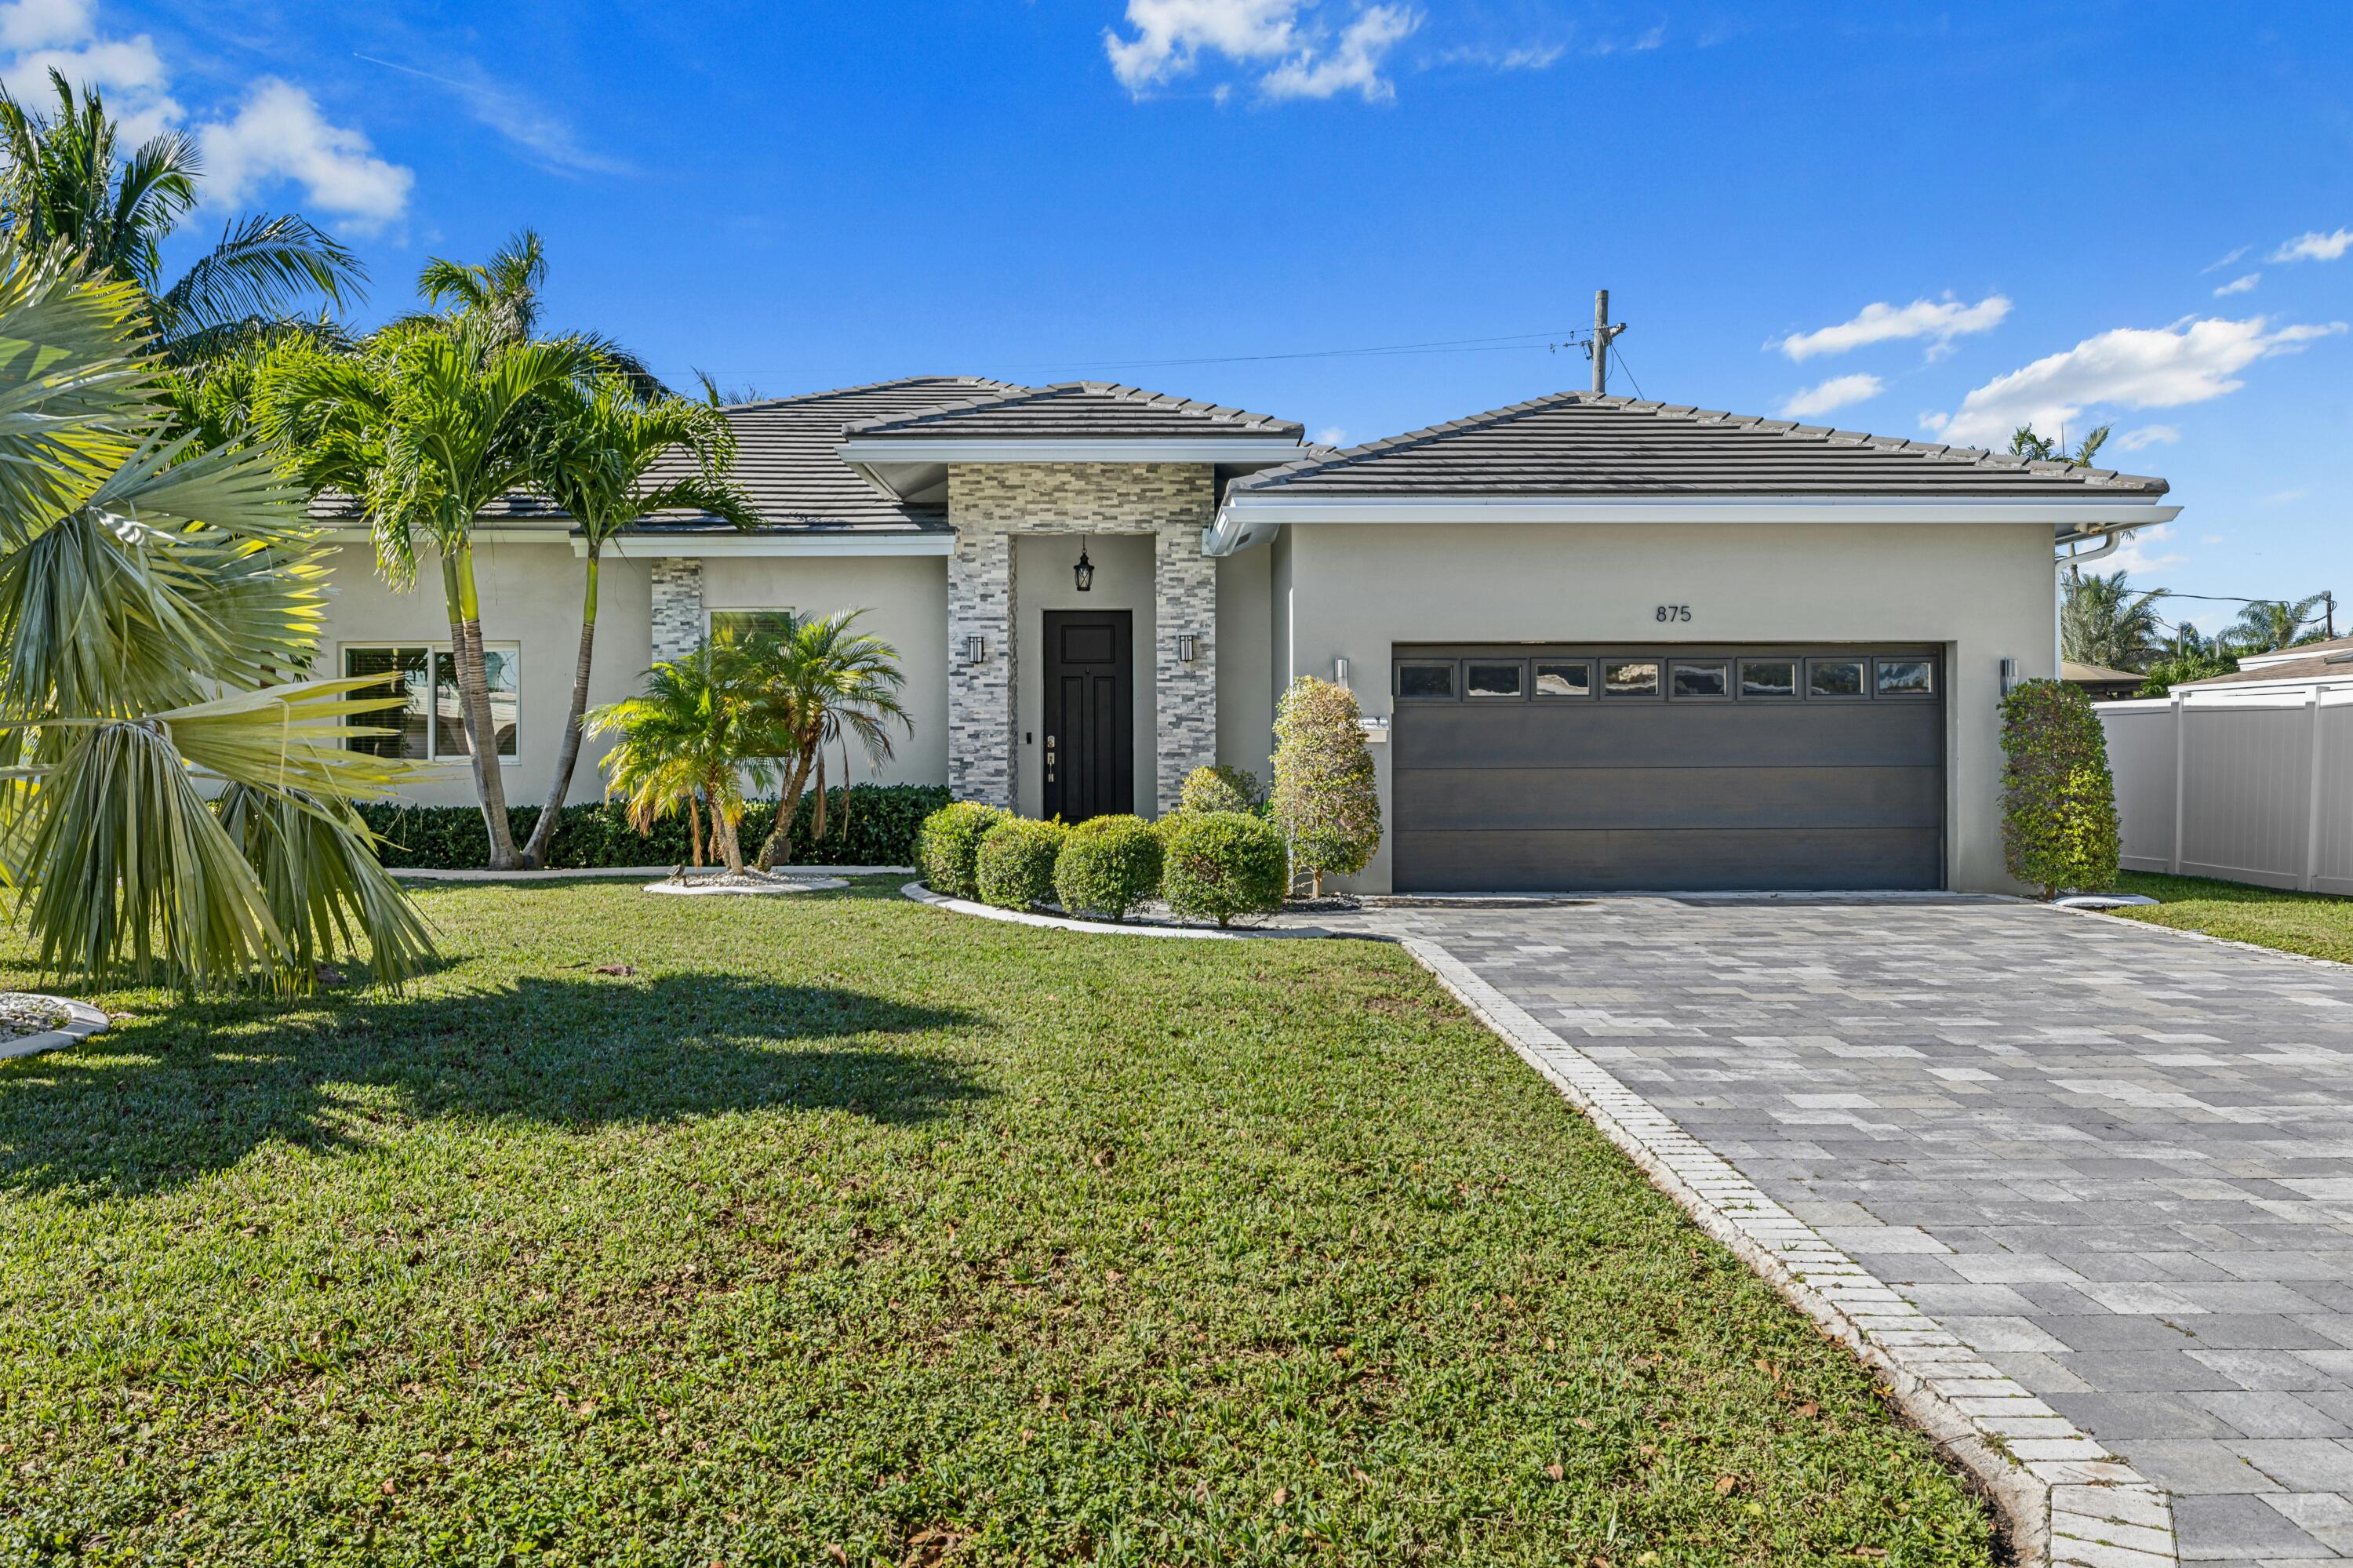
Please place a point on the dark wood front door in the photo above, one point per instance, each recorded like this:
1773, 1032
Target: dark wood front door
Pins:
1090, 734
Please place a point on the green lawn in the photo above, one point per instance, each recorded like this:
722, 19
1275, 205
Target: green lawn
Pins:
2317, 923
847, 1231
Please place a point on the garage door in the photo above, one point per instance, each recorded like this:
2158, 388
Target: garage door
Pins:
1561, 768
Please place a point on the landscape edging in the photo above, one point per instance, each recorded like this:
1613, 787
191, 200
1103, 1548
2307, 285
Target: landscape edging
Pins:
921, 894
2068, 1503
83, 1021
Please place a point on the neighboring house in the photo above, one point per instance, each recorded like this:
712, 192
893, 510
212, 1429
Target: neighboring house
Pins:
1603, 643
2300, 669
2098, 682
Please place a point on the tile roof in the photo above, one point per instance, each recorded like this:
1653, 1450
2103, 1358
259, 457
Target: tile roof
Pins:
2080, 673
1576, 443
2321, 665
1077, 409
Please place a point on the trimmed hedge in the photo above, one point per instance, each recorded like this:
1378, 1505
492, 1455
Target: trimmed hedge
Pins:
1219, 864
2058, 800
883, 820
1016, 865
947, 847
1108, 866
1219, 789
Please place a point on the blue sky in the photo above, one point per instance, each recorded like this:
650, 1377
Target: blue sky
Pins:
1884, 217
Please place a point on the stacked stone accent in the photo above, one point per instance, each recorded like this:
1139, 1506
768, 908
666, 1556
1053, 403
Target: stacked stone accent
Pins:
990, 504
677, 606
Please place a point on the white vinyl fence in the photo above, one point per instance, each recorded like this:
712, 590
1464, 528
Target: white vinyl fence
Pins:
2249, 788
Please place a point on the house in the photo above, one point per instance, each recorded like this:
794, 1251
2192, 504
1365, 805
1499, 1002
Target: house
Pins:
2299, 670
2098, 682
1601, 642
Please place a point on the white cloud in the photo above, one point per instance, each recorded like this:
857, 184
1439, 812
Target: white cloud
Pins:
2240, 285
1527, 57
2282, 497
2131, 368
2138, 556
520, 117
1330, 436
1838, 392
2315, 246
1299, 57
1939, 321
2148, 436
279, 134
2225, 261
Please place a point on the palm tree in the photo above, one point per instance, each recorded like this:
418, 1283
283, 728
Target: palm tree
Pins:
64, 187
2101, 620
2267, 625
149, 593
426, 426
822, 683
611, 460
2025, 443
686, 738
501, 297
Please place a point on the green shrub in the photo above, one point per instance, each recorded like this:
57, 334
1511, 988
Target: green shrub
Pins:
1326, 795
947, 849
2059, 801
1219, 789
1108, 866
1016, 866
1219, 864
879, 831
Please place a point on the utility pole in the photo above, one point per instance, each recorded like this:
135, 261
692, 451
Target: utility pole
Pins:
2328, 598
1604, 334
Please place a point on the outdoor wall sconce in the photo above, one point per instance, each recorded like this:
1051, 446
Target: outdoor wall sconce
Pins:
1187, 645
1339, 671
976, 649
1084, 571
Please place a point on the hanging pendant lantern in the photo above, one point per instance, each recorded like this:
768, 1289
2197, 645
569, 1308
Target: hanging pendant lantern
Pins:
1084, 571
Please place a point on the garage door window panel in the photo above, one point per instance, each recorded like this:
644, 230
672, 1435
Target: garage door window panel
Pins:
1494, 680
1768, 678
1907, 678
1630, 677
1837, 679
1556, 678
1426, 682
1702, 680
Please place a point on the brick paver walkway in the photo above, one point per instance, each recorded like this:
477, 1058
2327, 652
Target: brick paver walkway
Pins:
2116, 1161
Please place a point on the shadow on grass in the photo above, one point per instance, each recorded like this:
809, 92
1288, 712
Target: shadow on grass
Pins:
163, 1100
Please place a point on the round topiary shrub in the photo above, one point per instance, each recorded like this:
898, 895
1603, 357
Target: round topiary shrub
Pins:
947, 847
1219, 789
1108, 866
2058, 799
1217, 864
1017, 862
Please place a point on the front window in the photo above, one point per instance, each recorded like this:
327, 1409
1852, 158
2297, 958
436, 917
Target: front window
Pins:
736, 625
430, 723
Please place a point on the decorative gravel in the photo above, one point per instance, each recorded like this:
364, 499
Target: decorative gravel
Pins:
23, 1013
739, 883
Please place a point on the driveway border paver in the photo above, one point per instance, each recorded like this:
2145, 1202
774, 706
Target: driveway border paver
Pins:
2067, 1501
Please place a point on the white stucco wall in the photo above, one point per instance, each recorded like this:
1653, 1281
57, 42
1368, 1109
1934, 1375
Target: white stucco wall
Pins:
1984, 592
531, 597
1245, 662
906, 604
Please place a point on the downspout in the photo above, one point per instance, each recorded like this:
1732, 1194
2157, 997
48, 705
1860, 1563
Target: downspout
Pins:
2109, 544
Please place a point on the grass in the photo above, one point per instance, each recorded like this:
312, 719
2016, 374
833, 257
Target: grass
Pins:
847, 1231
2319, 925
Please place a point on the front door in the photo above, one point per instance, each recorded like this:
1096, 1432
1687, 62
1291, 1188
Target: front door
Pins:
1090, 751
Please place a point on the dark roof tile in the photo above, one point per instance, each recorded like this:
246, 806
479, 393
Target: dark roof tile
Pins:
1077, 409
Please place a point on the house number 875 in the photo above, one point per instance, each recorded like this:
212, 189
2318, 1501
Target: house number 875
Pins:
1674, 612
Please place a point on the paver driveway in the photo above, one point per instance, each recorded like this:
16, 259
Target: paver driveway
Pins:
2116, 1161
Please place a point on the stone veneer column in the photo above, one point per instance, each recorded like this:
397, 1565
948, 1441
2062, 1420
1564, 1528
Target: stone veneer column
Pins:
982, 755
677, 606
1184, 600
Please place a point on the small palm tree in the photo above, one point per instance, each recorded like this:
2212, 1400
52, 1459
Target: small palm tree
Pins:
684, 742
2103, 621
501, 298
823, 683
611, 460
66, 186
2268, 625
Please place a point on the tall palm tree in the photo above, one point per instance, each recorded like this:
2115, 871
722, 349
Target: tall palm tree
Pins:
66, 184
686, 738
501, 298
821, 684
149, 594
2268, 625
610, 460
426, 426
2103, 621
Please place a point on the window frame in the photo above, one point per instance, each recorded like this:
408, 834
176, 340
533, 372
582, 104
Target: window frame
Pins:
1796, 693
1924, 661
434, 653
1658, 691
1719, 662
1495, 663
1863, 694
1453, 679
1592, 681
